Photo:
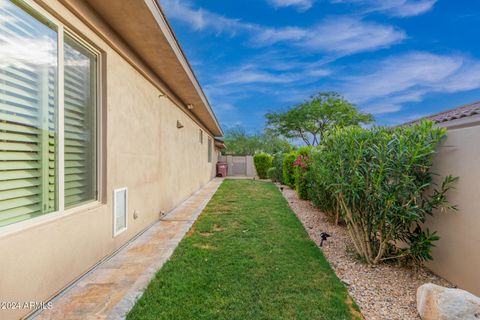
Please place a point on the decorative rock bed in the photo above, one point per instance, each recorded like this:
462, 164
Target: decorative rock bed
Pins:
382, 292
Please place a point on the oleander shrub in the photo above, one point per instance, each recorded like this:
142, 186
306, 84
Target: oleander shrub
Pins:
271, 173
288, 170
379, 181
278, 165
301, 166
321, 192
263, 162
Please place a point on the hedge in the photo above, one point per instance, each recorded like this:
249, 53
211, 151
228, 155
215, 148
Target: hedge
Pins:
263, 162
301, 166
271, 173
288, 168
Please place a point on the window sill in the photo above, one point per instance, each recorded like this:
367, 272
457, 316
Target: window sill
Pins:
24, 225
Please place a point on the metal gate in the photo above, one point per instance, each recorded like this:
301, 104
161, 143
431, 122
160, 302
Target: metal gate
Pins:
239, 167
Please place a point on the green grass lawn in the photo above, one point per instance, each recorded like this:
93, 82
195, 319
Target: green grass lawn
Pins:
247, 257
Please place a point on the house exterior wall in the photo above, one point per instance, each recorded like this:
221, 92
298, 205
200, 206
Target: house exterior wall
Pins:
143, 150
457, 254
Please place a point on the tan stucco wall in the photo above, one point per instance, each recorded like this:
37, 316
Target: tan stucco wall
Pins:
145, 151
457, 253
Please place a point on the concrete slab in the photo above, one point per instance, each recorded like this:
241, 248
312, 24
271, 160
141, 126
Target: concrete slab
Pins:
111, 289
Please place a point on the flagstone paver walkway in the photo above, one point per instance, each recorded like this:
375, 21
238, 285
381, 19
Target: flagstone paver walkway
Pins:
110, 290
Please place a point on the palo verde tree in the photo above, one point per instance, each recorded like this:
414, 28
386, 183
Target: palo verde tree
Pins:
311, 120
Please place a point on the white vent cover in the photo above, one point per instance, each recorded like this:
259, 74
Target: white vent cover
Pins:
120, 209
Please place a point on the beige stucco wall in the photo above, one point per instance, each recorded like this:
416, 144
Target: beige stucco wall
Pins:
457, 253
145, 151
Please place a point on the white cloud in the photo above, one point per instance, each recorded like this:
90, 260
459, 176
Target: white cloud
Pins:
351, 35
200, 19
301, 5
411, 8
269, 36
338, 35
399, 73
27, 53
250, 76
467, 79
406, 78
397, 8
259, 75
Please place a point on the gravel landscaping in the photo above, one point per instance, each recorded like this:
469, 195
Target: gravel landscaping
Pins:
384, 292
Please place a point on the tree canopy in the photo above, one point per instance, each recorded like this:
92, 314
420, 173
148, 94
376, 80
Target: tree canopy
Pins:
311, 120
239, 142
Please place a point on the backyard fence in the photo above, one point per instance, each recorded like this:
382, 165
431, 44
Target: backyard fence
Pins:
456, 256
239, 166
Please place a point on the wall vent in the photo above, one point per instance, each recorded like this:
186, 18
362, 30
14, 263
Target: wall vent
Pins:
120, 209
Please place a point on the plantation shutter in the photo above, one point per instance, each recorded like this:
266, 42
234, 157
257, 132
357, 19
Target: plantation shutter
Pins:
27, 115
80, 168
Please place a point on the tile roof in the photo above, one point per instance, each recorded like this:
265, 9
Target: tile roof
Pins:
464, 111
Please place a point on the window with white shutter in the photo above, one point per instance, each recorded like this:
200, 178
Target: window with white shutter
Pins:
30, 109
80, 134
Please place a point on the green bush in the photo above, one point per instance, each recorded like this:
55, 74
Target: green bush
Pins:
271, 173
278, 165
380, 182
262, 163
320, 192
288, 170
301, 168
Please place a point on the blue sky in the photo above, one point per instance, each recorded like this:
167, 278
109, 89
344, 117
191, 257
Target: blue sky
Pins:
398, 59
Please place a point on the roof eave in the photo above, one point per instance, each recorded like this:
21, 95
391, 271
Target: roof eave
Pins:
140, 33
167, 30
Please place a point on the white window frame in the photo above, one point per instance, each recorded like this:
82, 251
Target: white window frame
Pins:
115, 192
62, 29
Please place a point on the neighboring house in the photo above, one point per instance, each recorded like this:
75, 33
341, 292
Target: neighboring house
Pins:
457, 253
103, 128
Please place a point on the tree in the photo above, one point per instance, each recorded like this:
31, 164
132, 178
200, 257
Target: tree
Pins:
311, 120
273, 144
239, 142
